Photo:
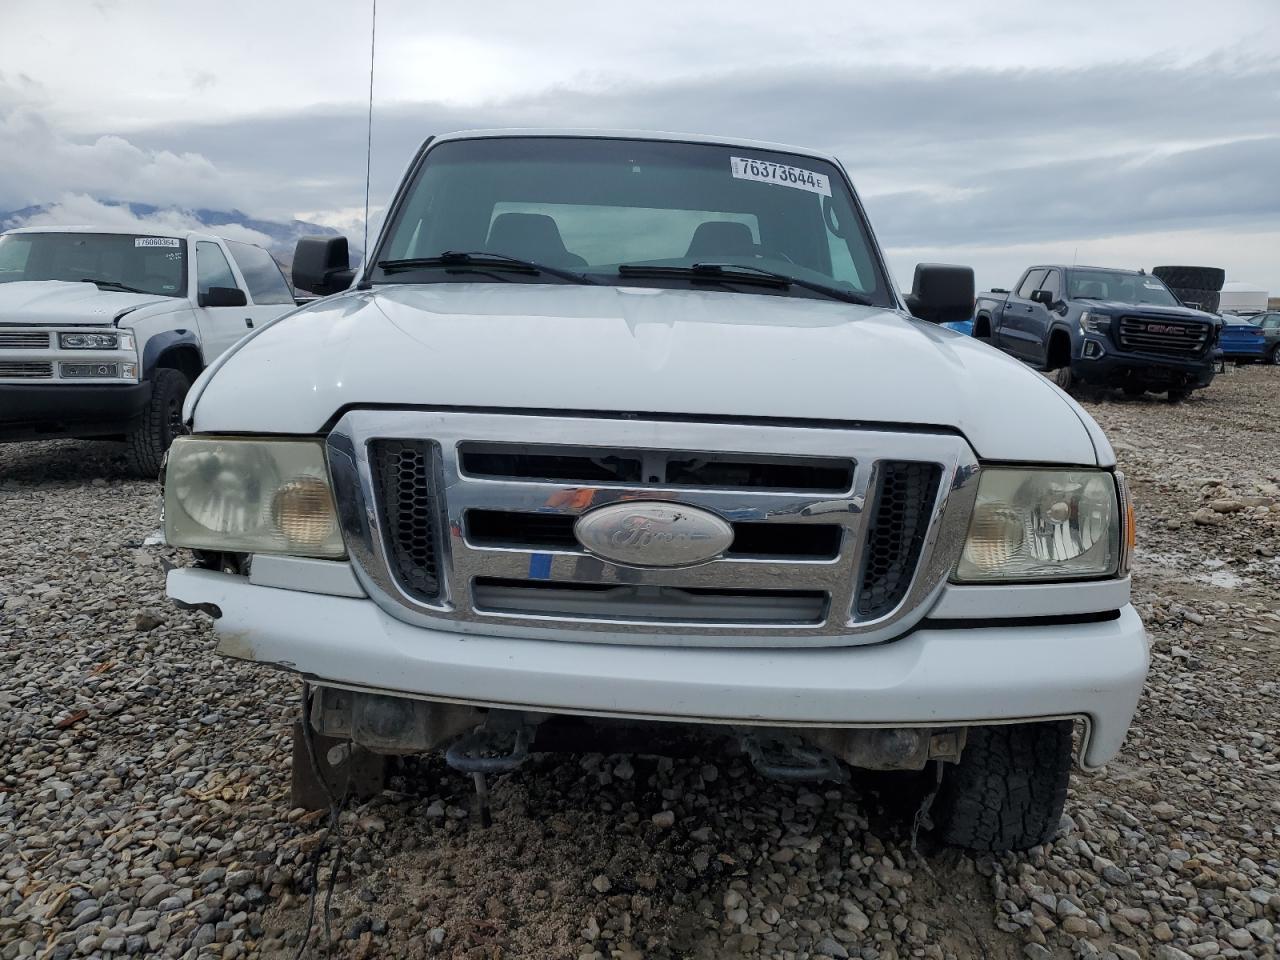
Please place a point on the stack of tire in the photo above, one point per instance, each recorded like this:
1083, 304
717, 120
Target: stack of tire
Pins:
1198, 287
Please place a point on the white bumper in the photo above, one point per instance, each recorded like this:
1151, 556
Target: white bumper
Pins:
934, 677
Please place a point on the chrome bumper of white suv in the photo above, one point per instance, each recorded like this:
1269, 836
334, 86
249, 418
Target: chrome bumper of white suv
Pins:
930, 677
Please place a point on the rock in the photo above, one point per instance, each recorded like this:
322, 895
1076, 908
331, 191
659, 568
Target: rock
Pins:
146, 621
601, 884
664, 819
1164, 810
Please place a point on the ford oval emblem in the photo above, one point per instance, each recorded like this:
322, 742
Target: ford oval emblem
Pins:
648, 534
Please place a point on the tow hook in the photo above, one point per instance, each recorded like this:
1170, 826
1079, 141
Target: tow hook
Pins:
784, 756
498, 746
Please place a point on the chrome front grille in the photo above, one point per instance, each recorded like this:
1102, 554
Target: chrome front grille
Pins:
465, 522
25, 370
24, 340
1172, 337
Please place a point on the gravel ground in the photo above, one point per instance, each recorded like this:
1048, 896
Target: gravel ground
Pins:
144, 783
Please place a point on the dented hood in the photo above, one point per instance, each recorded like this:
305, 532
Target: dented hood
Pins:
65, 303
637, 350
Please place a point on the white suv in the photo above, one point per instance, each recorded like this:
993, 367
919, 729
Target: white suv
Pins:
624, 429
103, 330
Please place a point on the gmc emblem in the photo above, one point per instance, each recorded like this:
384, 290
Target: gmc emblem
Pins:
1165, 328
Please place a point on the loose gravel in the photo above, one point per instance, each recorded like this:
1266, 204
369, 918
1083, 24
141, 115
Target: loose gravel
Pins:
144, 782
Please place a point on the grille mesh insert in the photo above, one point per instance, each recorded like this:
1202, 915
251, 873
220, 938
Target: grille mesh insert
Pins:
403, 470
904, 499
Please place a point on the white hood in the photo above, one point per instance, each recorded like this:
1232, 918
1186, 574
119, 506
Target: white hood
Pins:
64, 303
633, 350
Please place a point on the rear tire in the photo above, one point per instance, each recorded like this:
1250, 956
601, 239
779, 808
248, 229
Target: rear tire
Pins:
161, 422
1008, 790
1274, 357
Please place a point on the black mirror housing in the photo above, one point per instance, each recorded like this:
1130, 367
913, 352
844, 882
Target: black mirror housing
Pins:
941, 292
322, 265
223, 297
1042, 296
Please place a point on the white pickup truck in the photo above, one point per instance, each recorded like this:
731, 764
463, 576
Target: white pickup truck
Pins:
621, 432
102, 331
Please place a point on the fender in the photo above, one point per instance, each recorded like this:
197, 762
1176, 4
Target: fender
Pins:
164, 341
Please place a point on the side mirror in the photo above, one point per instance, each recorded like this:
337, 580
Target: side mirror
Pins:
1042, 296
322, 265
222, 297
941, 292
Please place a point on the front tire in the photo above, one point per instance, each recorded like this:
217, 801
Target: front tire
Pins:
1274, 357
1008, 790
161, 422
1064, 378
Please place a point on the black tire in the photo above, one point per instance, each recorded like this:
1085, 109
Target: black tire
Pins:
1008, 790
161, 422
1200, 299
1192, 278
1063, 378
1177, 396
1274, 356
1132, 391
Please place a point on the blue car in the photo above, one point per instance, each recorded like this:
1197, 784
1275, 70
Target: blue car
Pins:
961, 326
1242, 340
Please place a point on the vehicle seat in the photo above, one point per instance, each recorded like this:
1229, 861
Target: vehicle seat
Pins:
717, 239
1091, 288
530, 236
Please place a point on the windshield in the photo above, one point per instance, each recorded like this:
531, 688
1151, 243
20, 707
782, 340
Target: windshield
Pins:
141, 263
1120, 287
592, 205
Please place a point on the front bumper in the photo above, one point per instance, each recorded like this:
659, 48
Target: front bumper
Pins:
931, 677
60, 409
1113, 369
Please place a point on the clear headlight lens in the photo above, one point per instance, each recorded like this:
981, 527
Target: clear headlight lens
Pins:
1094, 322
1043, 525
95, 341
250, 496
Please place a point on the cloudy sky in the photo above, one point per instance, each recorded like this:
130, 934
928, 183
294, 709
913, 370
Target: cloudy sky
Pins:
1119, 132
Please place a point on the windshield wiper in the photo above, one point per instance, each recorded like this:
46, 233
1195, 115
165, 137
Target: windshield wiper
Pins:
484, 261
741, 273
112, 285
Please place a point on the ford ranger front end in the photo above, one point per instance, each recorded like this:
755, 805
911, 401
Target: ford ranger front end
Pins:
534, 470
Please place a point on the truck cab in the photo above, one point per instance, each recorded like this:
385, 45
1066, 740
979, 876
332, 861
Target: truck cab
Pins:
102, 331
1102, 327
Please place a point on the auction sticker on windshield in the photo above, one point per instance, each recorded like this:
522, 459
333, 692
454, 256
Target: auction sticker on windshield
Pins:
156, 242
766, 171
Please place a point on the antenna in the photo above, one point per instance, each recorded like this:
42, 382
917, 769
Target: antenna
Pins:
368, 145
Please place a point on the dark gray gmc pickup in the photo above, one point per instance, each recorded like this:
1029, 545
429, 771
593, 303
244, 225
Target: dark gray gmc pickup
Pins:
1105, 328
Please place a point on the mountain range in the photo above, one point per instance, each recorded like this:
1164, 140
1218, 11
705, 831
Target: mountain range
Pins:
281, 235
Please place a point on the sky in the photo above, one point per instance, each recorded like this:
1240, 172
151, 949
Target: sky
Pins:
1120, 133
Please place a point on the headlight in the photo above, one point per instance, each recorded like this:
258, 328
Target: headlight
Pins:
1043, 525
95, 341
250, 496
1094, 322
